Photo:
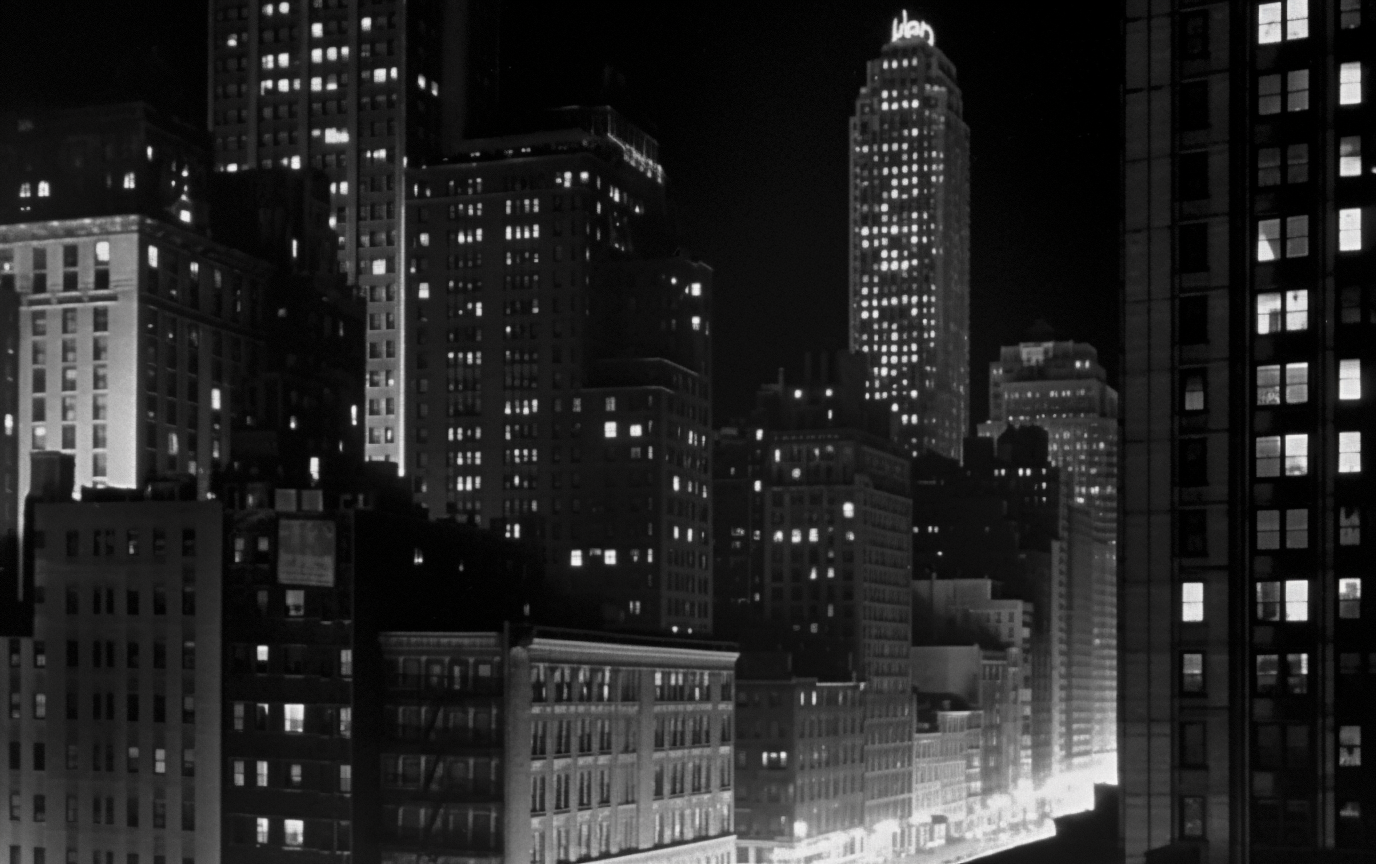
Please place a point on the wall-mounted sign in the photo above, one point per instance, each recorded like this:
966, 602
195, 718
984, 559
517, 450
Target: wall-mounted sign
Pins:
903, 29
305, 552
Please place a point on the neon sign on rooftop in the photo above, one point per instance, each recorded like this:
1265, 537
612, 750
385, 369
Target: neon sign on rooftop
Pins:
904, 29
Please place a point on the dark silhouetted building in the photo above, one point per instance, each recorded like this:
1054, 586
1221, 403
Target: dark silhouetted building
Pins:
559, 361
358, 91
1245, 640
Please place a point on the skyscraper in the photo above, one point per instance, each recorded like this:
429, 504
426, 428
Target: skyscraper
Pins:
826, 515
356, 90
910, 237
560, 360
1247, 323
1062, 388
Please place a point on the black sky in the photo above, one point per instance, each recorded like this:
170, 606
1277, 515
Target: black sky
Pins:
750, 102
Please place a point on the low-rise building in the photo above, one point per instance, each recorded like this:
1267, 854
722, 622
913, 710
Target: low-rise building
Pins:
540, 745
800, 765
945, 767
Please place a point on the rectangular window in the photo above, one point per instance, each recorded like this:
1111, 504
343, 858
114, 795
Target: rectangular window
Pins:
1192, 247
1268, 530
1268, 94
1193, 176
1350, 156
1349, 526
1193, 385
1277, 21
1350, 14
1350, 84
1297, 90
1350, 598
1192, 463
1289, 453
293, 718
1192, 816
1192, 323
1296, 389
1349, 746
1192, 533
1192, 602
1349, 452
1194, 104
1349, 380
1296, 600
1192, 673
1350, 229
1193, 753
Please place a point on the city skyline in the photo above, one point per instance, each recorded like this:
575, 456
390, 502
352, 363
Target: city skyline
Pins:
698, 79
384, 337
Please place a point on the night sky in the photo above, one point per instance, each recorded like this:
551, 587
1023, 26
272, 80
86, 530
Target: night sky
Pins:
750, 103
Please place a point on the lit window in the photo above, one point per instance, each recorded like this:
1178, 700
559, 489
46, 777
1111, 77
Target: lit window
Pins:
1350, 84
25, 190
129, 180
1287, 452
1349, 380
609, 557
152, 256
1349, 452
609, 429
293, 718
1194, 391
1296, 383
44, 190
1191, 673
1349, 746
1350, 598
1268, 601
576, 558
1297, 600
1271, 28
365, 24
1288, 311
636, 430
423, 291
293, 831
261, 834
848, 510
1349, 526
1350, 156
1350, 229
1192, 601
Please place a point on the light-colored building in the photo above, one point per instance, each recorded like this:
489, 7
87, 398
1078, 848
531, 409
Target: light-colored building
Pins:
946, 756
910, 237
555, 745
114, 720
135, 338
1062, 388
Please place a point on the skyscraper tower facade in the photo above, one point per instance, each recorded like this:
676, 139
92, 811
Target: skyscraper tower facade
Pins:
1247, 326
909, 239
355, 90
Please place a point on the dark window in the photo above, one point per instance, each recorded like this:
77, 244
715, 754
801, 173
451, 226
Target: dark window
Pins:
1192, 247
1192, 816
1193, 752
1193, 323
1192, 466
1192, 533
1194, 35
1192, 673
1194, 105
1193, 176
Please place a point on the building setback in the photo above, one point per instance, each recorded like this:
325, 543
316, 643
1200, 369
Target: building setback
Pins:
1245, 658
1060, 387
561, 360
910, 238
556, 745
831, 519
357, 91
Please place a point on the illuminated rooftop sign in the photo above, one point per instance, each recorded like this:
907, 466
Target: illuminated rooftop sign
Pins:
903, 29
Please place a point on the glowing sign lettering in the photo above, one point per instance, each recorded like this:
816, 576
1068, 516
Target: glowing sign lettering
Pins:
904, 29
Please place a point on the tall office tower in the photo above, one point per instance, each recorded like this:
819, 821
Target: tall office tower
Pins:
783, 719
1247, 319
910, 240
1060, 387
136, 329
357, 90
560, 363
831, 582
114, 722
555, 745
